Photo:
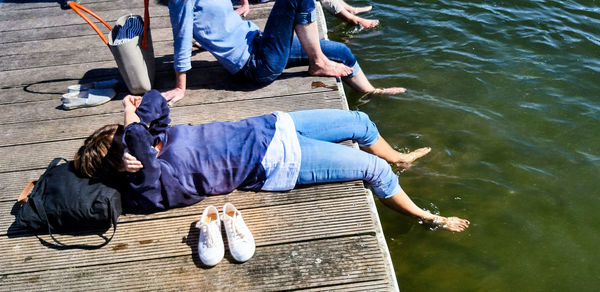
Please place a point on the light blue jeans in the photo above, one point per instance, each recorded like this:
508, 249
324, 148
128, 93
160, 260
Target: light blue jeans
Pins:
325, 161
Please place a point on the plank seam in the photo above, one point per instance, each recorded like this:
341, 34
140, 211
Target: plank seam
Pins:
183, 255
314, 91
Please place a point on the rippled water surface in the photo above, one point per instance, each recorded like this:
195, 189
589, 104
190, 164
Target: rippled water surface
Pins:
507, 95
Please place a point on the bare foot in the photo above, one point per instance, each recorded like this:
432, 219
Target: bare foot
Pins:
174, 95
367, 23
405, 160
329, 68
388, 91
453, 224
357, 10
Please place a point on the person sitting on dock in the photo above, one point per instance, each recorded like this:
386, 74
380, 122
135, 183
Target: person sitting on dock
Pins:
260, 56
174, 166
348, 13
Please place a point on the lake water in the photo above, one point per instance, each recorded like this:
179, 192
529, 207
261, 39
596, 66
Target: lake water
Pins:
506, 94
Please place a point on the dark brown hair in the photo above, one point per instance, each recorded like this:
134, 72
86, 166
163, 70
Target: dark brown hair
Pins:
102, 153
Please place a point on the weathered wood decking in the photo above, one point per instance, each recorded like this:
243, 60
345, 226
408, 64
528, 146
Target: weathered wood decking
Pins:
325, 237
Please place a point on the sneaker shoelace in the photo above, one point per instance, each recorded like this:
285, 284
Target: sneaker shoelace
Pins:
236, 228
209, 235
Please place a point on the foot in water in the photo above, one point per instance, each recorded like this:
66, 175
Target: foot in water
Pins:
368, 23
329, 68
357, 10
388, 91
405, 161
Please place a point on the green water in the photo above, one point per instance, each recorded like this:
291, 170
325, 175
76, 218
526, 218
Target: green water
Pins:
506, 94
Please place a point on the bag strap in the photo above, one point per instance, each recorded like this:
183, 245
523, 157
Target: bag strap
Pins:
56, 161
146, 25
78, 7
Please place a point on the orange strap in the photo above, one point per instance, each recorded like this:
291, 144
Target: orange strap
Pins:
146, 25
23, 197
76, 7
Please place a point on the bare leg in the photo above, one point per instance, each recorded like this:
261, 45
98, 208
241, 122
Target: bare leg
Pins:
382, 149
319, 64
402, 203
355, 10
351, 18
360, 83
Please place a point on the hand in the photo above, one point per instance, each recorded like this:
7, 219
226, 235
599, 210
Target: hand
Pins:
132, 101
174, 95
243, 10
131, 163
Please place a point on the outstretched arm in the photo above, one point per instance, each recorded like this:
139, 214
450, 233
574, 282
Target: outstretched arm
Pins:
182, 23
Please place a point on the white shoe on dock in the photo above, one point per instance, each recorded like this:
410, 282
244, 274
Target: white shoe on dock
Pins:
210, 243
239, 238
87, 98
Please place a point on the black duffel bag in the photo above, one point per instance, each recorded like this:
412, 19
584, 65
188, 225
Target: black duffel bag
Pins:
61, 201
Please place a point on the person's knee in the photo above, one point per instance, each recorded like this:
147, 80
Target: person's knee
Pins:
383, 180
370, 134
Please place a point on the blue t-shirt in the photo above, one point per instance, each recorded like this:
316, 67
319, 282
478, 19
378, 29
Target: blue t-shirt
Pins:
216, 26
195, 161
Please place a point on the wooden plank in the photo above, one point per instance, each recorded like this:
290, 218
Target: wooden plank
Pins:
241, 199
211, 78
373, 285
52, 48
90, 69
294, 82
64, 126
16, 5
74, 30
299, 265
174, 236
99, 7
51, 53
65, 63
63, 19
257, 11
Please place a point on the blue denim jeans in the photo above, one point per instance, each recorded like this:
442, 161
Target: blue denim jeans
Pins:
325, 161
277, 47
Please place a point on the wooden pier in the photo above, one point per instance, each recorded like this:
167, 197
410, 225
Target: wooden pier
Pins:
326, 237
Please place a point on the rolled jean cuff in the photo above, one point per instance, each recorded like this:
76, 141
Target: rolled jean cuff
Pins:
370, 135
306, 17
355, 70
385, 192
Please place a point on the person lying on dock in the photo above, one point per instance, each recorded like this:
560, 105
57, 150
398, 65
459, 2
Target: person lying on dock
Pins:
342, 10
174, 166
260, 56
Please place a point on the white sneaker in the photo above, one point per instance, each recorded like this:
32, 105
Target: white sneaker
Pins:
210, 244
239, 237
